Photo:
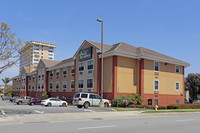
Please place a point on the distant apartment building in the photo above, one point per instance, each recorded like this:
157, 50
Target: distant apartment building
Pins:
33, 51
128, 70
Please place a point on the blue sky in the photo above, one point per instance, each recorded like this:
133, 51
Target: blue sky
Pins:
171, 27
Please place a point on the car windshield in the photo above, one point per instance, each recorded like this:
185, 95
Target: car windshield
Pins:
76, 95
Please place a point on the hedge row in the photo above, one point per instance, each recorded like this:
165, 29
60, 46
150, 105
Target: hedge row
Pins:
184, 106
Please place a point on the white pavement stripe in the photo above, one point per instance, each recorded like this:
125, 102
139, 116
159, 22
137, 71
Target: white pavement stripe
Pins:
184, 120
40, 112
97, 127
87, 110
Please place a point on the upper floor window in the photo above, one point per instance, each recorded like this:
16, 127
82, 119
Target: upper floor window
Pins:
43, 76
81, 66
36, 45
42, 87
64, 72
38, 86
177, 86
72, 69
90, 65
156, 85
51, 74
38, 77
156, 66
57, 73
177, 69
57, 86
51, 86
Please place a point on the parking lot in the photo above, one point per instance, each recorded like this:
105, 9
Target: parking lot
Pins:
13, 109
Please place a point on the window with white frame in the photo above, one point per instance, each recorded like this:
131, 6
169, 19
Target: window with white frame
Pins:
51, 86
177, 69
51, 74
81, 66
39, 77
42, 87
90, 65
57, 73
156, 66
57, 86
29, 87
64, 85
89, 83
43, 76
38, 87
32, 87
80, 84
72, 69
177, 86
72, 84
64, 72
156, 85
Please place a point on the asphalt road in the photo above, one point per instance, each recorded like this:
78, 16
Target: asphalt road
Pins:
143, 124
14, 109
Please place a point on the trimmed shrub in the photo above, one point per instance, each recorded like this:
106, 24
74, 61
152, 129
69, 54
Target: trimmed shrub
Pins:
9, 94
120, 101
184, 106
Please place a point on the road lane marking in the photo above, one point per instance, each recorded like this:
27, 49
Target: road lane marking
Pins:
39, 112
84, 128
87, 110
184, 120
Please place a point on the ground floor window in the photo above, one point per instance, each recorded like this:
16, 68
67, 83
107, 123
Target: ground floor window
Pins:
149, 101
80, 84
72, 85
155, 102
177, 102
90, 83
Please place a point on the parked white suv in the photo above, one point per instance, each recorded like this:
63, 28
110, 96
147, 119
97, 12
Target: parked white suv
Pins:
88, 99
54, 102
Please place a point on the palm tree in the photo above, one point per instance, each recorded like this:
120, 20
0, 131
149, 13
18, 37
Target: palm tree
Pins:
5, 81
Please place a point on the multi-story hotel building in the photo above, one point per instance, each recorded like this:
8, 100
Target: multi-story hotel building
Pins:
128, 70
33, 51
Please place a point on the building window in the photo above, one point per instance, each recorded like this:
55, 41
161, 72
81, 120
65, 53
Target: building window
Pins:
177, 86
42, 87
72, 69
156, 102
57, 73
72, 84
42, 76
90, 83
177, 102
149, 101
64, 85
51, 74
38, 77
177, 69
81, 66
38, 86
51, 86
57, 86
156, 85
156, 66
29, 87
90, 65
80, 84
64, 72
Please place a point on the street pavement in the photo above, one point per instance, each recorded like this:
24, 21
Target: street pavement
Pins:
182, 123
13, 109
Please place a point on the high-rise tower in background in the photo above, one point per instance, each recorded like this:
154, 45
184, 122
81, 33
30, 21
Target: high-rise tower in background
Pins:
33, 51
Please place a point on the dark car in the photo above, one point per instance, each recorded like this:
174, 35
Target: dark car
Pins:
34, 101
6, 98
13, 99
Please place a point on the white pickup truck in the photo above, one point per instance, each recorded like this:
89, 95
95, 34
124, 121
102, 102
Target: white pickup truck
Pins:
26, 99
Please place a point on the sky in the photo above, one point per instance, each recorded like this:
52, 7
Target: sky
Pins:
171, 27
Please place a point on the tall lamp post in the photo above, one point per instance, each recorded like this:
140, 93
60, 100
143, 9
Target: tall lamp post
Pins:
100, 20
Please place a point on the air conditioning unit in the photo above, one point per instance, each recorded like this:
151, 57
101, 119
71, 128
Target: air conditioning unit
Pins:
156, 73
80, 90
80, 73
72, 74
72, 89
90, 71
156, 92
89, 90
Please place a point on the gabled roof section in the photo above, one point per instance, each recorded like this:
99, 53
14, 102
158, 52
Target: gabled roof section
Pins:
26, 69
63, 63
50, 63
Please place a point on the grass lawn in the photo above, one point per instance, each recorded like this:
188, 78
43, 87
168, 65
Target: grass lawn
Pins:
0, 112
172, 111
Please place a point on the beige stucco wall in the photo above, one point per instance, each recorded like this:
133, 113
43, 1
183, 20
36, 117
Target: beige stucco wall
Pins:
166, 76
127, 73
108, 73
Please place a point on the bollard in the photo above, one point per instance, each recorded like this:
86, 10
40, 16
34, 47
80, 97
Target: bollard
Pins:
156, 107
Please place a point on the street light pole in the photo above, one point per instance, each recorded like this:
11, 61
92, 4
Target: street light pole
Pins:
100, 20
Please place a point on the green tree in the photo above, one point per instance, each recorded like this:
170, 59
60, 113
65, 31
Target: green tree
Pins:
45, 95
136, 99
192, 83
9, 46
6, 80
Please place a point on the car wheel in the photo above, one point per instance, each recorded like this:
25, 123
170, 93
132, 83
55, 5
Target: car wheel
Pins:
64, 105
32, 104
79, 106
86, 105
20, 103
49, 104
